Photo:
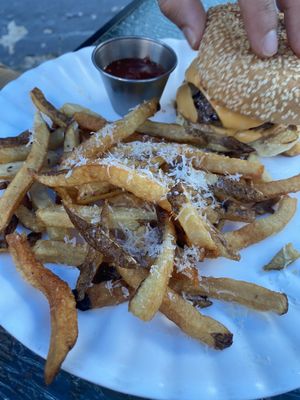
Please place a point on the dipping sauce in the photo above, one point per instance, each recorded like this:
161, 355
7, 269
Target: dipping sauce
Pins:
135, 68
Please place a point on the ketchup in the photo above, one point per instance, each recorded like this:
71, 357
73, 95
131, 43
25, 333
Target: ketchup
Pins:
135, 68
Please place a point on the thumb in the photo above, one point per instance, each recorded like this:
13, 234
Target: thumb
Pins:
188, 15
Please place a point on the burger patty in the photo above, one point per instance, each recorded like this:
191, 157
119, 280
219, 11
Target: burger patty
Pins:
206, 113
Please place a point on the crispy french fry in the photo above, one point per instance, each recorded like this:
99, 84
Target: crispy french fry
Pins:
10, 153
173, 132
219, 164
274, 189
60, 234
275, 140
88, 270
113, 133
192, 135
28, 219
97, 197
245, 293
93, 188
100, 239
71, 137
263, 228
94, 191
39, 196
184, 315
138, 183
69, 109
56, 215
89, 122
16, 190
43, 105
51, 251
211, 162
149, 295
64, 329
9, 170
192, 222
105, 294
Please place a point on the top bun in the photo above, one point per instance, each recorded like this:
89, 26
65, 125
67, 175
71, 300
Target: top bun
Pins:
230, 73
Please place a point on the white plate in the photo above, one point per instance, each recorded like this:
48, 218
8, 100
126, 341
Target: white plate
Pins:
156, 359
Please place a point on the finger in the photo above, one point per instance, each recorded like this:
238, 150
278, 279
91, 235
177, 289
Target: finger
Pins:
188, 15
260, 19
291, 9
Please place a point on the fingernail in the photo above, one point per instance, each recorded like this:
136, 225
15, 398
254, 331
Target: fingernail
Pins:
270, 44
191, 36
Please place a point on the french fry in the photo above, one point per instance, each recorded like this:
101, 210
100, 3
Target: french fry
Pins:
105, 294
88, 269
60, 234
64, 329
275, 140
18, 187
28, 219
218, 164
71, 137
89, 122
138, 183
245, 293
39, 196
69, 109
56, 215
91, 192
97, 197
113, 133
225, 189
12, 151
8, 171
189, 218
191, 135
43, 105
184, 315
57, 252
278, 188
260, 229
210, 162
149, 295
98, 238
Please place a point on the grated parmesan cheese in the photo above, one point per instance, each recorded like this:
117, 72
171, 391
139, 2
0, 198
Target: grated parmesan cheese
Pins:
72, 241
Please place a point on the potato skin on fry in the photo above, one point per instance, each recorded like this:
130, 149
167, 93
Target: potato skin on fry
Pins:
149, 295
183, 314
64, 329
23, 180
43, 105
262, 228
245, 293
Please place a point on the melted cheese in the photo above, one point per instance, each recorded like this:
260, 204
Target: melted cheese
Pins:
185, 103
234, 120
230, 119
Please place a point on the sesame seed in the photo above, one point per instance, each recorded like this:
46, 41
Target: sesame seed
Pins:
267, 89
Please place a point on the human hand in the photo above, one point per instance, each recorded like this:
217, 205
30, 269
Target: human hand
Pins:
260, 18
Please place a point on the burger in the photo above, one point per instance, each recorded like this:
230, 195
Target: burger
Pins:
230, 90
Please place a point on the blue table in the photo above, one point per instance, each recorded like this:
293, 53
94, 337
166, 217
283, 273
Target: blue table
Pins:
21, 371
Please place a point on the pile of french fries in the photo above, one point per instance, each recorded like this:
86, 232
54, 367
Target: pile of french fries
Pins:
136, 206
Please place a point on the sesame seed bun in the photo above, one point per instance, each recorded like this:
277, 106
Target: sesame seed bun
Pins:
234, 77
